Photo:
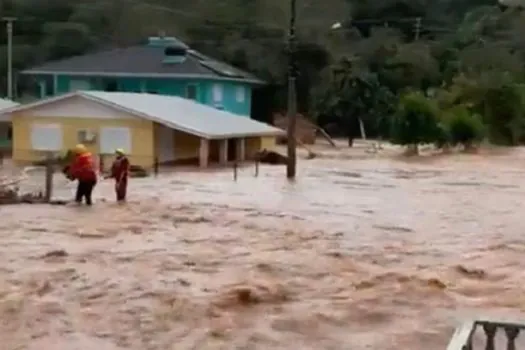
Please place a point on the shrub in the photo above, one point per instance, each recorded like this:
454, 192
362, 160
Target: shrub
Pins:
415, 121
442, 136
464, 127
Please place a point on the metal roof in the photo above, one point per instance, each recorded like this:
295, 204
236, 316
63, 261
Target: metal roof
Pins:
5, 103
143, 61
175, 112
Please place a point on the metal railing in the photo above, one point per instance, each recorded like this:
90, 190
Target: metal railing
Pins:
464, 335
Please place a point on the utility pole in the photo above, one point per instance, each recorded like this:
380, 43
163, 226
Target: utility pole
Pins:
9, 23
291, 142
417, 28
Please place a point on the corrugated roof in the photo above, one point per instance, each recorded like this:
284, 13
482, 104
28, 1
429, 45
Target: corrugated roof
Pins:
5, 103
143, 61
175, 112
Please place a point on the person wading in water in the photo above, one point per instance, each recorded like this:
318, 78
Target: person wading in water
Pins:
82, 169
120, 172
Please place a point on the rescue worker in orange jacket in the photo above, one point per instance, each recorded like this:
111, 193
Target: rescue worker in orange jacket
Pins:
120, 172
82, 169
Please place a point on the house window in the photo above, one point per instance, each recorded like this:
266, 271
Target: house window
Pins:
110, 85
49, 86
191, 92
240, 94
112, 138
10, 133
46, 137
79, 85
217, 93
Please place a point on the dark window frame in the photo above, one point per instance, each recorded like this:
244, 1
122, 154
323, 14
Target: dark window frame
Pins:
193, 88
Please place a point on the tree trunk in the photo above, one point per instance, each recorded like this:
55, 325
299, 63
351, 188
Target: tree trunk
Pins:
446, 148
469, 147
362, 129
412, 150
350, 134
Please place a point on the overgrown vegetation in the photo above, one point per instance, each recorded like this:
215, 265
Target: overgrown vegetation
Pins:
415, 71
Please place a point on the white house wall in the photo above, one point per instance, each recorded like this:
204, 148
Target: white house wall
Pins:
76, 107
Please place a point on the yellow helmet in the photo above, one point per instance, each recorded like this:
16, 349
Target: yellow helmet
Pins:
80, 149
119, 151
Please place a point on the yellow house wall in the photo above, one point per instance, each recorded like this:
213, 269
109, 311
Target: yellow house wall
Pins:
256, 144
186, 146
142, 152
268, 142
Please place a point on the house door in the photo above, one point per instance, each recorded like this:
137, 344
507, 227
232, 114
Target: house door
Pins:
232, 149
165, 140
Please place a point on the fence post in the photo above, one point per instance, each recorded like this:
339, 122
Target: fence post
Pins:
101, 163
235, 169
156, 166
257, 166
49, 177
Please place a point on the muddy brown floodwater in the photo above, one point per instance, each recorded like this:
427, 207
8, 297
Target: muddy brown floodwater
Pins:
364, 253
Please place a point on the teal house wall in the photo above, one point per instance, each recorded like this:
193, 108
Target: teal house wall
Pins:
231, 96
162, 65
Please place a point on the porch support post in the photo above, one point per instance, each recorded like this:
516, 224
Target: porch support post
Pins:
204, 153
240, 145
223, 152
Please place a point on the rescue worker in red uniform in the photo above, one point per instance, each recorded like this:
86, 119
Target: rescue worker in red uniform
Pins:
83, 169
120, 172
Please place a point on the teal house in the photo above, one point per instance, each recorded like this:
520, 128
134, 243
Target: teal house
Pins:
163, 65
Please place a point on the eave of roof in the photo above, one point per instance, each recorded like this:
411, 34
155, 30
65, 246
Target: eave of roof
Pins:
142, 75
272, 131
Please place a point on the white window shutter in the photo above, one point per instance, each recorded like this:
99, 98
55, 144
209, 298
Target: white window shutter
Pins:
240, 94
217, 93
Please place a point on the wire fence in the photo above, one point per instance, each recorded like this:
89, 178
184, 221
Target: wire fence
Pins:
28, 157
44, 166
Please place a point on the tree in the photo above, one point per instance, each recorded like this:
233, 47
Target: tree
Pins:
470, 52
463, 127
416, 121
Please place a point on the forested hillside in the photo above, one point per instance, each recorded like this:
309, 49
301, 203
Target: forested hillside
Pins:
454, 50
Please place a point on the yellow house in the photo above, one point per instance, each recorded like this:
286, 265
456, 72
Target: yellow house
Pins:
150, 128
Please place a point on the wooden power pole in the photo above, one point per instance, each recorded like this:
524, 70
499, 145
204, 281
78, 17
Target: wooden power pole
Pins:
291, 167
9, 24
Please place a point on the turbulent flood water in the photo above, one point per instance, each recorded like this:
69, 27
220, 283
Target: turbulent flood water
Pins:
362, 253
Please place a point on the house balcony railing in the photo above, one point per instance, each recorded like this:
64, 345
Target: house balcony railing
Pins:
463, 338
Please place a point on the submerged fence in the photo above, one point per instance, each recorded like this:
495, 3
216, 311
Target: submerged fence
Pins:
463, 338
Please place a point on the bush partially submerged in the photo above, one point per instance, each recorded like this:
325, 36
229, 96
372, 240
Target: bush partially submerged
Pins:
464, 128
416, 121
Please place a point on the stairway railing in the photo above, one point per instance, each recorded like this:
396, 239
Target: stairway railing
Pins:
463, 336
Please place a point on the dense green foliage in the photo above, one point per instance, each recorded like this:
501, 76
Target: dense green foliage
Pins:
467, 53
463, 127
416, 120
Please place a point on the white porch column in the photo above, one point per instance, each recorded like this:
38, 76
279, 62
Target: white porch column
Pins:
240, 145
204, 153
223, 152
